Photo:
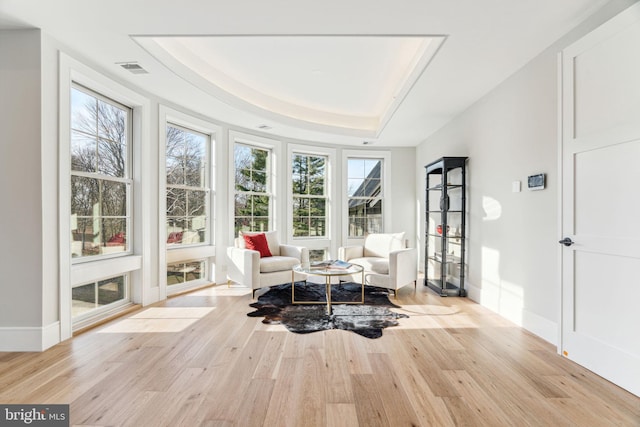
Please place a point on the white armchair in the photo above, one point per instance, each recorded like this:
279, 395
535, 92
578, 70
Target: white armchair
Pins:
387, 262
247, 268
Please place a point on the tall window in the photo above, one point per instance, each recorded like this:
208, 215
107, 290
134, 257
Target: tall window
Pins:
100, 175
187, 186
252, 189
364, 196
309, 195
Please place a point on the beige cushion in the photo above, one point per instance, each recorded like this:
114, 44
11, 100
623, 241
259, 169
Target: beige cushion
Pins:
277, 263
272, 240
381, 244
374, 264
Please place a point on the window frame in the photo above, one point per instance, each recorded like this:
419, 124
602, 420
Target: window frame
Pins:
328, 243
206, 188
272, 182
201, 250
127, 179
385, 158
310, 197
70, 274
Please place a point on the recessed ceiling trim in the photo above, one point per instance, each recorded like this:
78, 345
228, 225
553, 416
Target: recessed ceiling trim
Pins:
185, 60
422, 61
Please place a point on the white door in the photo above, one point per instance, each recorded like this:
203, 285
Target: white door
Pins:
601, 200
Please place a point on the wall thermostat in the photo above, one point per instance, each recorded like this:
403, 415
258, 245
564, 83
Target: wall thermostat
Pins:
535, 182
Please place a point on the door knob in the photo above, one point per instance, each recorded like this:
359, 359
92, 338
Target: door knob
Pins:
566, 241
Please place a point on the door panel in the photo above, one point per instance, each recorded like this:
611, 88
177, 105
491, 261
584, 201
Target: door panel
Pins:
606, 188
602, 75
616, 316
601, 200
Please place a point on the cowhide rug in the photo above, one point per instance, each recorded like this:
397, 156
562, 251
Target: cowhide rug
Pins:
368, 319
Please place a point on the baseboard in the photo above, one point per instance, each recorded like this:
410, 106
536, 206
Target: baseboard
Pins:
26, 338
50, 335
537, 325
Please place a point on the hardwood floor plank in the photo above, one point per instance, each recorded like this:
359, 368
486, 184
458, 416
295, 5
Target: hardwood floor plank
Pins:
269, 362
356, 354
313, 398
392, 393
284, 407
430, 409
369, 404
598, 408
342, 415
483, 405
253, 405
338, 381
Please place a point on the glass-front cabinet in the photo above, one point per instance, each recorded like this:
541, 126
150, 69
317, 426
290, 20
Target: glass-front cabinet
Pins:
445, 217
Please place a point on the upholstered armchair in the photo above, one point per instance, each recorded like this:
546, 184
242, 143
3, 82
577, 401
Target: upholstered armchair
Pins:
387, 262
260, 268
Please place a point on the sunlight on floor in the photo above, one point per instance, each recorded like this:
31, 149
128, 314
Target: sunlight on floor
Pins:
223, 291
159, 319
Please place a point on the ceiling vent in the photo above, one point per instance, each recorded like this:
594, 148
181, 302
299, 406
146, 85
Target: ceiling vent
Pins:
133, 67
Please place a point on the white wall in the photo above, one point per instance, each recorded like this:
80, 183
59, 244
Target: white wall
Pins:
20, 186
404, 212
513, 258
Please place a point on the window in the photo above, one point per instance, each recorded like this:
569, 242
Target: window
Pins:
99, 294
252, 202
183, 272
364, 196
100, 175
317, 254
309, 195
187, 174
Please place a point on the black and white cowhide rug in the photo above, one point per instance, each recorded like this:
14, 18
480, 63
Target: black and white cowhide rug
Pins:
368, 319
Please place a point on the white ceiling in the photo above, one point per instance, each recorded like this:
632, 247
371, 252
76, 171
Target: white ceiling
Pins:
388, 72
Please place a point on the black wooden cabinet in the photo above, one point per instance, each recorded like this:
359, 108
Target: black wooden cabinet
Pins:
445, 231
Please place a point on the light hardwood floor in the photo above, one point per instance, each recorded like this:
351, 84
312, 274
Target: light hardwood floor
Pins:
197, 359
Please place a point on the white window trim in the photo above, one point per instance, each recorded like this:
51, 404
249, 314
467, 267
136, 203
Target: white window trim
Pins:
386, 190
331, 190
205, 250
71, 70
275, 147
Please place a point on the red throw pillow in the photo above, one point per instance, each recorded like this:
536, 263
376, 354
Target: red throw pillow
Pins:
175, 237
257, 242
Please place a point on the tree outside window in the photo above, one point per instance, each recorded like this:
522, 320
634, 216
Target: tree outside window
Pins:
187, 186
309, 195
252, 189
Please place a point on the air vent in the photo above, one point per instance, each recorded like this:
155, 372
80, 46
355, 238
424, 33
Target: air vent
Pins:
133, 67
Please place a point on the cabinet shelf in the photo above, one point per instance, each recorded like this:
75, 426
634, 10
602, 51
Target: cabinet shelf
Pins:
448, 261
447, 237
446, 289
445, 275
448, 186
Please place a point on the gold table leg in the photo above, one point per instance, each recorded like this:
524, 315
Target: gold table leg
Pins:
328, 292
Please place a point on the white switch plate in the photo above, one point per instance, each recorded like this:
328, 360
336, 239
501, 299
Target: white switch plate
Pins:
515, 186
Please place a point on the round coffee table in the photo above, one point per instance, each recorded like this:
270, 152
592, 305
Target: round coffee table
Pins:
327, 272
